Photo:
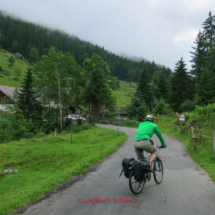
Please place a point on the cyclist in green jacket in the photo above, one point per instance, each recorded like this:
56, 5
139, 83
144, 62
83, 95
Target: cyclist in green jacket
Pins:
143, 137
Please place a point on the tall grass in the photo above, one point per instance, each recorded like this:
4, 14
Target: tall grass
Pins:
43, 163
200, 148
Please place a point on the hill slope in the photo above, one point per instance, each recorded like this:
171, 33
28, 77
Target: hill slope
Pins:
7, 76
20, 36
7, 73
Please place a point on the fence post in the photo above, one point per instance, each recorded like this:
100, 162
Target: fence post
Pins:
55, 132
200, 134
118, 129
192, 130
209, 128
71, 136
214, 142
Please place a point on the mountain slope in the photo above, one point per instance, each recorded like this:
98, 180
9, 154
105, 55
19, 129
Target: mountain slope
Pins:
7, 72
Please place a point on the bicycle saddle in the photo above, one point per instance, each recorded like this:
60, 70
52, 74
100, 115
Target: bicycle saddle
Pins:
139, 148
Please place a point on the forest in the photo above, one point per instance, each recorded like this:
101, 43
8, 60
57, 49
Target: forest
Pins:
21, 36
70, 72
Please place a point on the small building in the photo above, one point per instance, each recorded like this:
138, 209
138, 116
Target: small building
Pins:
7, 93
7, 96
122, 111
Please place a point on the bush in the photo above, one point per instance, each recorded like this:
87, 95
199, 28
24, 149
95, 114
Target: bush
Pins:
137, 109
16, 79
40, 134
17, 72
77, 129
187, 105
132, 123
162, 107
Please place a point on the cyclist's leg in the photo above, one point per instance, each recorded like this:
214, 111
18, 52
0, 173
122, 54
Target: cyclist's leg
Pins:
139, 153
148, 147
152, 157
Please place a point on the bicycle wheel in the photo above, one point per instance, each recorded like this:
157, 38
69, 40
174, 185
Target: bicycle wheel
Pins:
136, 187
158, 170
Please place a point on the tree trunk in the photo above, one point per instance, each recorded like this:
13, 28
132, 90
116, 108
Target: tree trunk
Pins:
58, 81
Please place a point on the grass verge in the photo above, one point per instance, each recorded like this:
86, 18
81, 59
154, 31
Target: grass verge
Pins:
201, 150
44, 163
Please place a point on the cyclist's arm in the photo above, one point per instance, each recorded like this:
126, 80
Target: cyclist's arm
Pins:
159, 135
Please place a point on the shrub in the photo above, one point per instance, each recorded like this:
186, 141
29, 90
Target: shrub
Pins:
17, 72
133, 123
16, 79
162, 107
187, 105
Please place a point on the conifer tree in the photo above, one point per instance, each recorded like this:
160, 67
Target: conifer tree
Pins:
143, 89
206, 86
27, 101
209, 30
199, 56
204, 42
180, 86
97, 91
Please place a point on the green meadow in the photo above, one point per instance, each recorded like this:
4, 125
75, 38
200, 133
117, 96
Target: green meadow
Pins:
44, 163
7, 76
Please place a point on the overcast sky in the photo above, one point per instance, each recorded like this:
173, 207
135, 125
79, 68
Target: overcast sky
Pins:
159, 30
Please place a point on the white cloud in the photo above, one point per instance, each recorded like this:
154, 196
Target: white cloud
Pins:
185, 38
157, 30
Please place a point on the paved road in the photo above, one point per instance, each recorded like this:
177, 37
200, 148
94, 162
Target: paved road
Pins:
186, 188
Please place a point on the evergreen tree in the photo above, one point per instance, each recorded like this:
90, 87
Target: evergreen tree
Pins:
143, 89
137, 109
209, 30
159, 79
28, 102
15, 46
180, 86
199, 56
30, 35
206, 86
97, 92
205, 89
11, 60
204, 42
33, 55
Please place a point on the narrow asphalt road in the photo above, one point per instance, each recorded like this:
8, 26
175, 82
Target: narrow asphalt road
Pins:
186, 188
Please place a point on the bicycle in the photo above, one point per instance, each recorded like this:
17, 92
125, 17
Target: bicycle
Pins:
136, 186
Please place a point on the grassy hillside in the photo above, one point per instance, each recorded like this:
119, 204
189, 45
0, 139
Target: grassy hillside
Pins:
124, 93
7, 76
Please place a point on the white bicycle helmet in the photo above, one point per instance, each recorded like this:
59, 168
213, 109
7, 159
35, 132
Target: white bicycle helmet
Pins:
150, 118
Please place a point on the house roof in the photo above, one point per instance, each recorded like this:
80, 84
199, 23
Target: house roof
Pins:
8, 91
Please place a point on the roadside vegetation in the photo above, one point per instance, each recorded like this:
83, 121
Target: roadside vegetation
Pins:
59, 79
44, 163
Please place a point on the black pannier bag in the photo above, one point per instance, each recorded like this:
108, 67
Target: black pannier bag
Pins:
141, 167
126, 165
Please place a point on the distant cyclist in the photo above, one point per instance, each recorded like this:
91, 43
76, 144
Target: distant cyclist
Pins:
143, 137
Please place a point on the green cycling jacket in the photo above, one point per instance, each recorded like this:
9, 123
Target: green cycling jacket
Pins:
146, 130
